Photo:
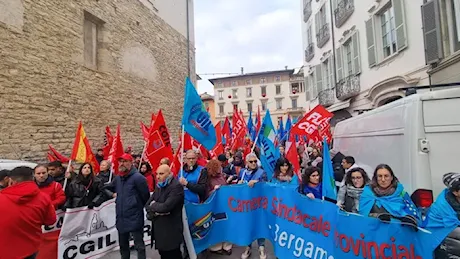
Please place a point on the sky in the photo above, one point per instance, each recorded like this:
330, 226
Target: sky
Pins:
259, 35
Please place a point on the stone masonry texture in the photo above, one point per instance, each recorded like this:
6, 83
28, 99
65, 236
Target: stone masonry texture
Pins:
46, 89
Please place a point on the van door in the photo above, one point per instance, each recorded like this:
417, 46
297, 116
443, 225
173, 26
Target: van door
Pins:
442, 128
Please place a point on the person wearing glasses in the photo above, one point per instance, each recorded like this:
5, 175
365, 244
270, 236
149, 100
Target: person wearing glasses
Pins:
251, 175
349, 194
191, 177
386, 199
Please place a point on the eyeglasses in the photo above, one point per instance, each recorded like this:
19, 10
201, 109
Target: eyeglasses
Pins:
252, 161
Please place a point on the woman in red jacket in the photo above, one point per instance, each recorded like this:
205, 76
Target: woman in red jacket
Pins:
146, 170
47, 185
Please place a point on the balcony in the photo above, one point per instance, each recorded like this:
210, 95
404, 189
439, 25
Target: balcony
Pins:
307, 10
348, 87
326, 97
323, 36
343, 11
295, 109
309, 52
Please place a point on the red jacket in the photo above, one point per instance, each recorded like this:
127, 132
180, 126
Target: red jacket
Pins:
150, 181
23, 211
54, 190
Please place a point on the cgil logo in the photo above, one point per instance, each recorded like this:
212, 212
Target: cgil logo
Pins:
200, 120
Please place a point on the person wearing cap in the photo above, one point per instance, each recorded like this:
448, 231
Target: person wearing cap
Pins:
4, 179
445, 212
191, 177
132, 193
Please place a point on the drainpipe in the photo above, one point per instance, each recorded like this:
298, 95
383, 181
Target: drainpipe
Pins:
188, 37
333, 43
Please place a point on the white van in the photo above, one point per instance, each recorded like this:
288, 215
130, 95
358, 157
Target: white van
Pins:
6, 164
418, 136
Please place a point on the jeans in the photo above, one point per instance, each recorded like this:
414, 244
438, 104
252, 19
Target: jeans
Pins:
260, 242
171, 254
32, 256
123, 240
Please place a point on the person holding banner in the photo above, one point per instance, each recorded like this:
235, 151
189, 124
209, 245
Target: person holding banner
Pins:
284, 173
23, 211
191, 177
311, 185
164, 209
85, 189
349, 194
252, 175
132, 193
104, 171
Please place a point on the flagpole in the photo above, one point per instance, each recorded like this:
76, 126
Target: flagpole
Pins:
182, 151
142, 156
65, 178
111, 174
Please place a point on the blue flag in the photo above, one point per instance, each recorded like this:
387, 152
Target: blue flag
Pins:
287, 129
196, 120
281, 131
266, 141
251, 127
329, 189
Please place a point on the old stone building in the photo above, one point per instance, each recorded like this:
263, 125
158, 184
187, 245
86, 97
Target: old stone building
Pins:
103, 62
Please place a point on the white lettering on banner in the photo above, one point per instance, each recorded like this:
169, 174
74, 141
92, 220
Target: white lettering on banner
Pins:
91, 233
314, 121
309, 250
57, 225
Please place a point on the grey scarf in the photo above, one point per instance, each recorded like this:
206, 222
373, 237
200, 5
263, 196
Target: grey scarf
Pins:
355, 194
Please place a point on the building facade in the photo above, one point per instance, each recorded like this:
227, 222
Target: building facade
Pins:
208, 101
101, 62
361, 56
280, 91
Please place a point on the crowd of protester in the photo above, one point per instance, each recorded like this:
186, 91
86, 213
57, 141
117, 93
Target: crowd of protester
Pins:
29, 197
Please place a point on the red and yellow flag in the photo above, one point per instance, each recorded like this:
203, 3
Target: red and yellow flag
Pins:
81, 151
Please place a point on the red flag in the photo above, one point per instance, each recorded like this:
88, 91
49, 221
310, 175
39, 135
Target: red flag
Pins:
218, 149
226, 132
152, 119
51, 157
116, 150
81, 151
292, 155
145, 131
239, 131
314, 122
158, 142
58, 155
188, 143
258, 119
108, 139
175, 165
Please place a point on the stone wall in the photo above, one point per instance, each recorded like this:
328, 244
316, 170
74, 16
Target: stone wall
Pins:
45, 87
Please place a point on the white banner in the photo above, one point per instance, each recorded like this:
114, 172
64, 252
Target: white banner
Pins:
57, 225
91, 233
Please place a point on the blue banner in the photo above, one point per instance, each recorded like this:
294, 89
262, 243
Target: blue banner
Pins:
299, 227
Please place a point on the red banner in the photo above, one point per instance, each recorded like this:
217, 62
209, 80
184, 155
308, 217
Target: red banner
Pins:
158, 144
315, 124
239, 131
218, 149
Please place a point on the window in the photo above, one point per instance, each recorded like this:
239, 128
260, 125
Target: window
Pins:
263, 80
221, 109
263, 91
249, 92
248, 81
386, 32
279, 104
219, 84
91, 31
264, 105
249, 107
310, 48
306, 10
441, 25
294, 103
278, 89
235, 93
221, 94
327, 82
322, 27
348, 58
206, 105
277, 78
234, 83
235, 106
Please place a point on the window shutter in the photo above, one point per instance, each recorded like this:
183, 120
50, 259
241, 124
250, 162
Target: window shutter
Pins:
401, 37
339, 63
432, 32
317, 25
356, 56
334, 6
331, 73
371, 55
307, 88
319, 79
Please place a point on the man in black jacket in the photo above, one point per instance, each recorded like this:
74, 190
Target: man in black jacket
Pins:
164, 209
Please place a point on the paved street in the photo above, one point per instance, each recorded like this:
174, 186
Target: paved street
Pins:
237, 251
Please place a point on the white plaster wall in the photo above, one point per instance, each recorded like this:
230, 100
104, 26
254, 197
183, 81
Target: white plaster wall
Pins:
174, 13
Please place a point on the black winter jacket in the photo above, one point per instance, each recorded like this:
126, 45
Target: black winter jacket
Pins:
166, 216
450, 247
80, 195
